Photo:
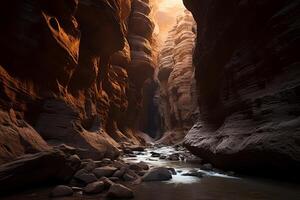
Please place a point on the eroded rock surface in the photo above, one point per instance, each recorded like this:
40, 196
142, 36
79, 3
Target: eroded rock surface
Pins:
176, 103
66, 78
247, 73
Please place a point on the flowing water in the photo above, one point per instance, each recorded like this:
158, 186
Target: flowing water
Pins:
212, 186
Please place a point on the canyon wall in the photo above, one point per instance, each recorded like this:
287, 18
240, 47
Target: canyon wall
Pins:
69, 75
248, 78
175, 74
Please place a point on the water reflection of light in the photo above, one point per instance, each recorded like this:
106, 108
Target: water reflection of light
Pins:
181, 166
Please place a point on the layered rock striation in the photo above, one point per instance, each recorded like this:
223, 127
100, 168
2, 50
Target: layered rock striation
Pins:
175, 74
248, 78
66, 73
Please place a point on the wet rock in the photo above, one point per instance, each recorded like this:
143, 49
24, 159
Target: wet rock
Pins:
128, 177
107, 182
119, 173
173, 157
155, 154
95, 187
106, 171
194, 173
163, 157
127, 151
157, 174
172, 170
119, 191
143, 165
61, 191
86, 177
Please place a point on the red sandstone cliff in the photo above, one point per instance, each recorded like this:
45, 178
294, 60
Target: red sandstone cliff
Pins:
176, 100
68, 74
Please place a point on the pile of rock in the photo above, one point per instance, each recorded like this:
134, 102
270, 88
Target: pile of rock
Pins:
104, 176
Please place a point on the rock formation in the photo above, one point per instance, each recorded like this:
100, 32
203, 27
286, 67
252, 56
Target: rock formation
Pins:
175, 73
248, 78
68, 75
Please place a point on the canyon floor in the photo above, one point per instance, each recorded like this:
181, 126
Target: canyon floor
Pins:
191, 179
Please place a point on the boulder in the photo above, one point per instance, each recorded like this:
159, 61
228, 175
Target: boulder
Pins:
157, 174
61, 191
35, 169
86, 177
106, 171
119, 191
95, 187
119, 173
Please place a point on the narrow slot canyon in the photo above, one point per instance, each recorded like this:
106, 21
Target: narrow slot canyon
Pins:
150, 99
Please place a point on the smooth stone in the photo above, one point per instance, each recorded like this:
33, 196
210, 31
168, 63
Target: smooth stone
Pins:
119, 191
114, 179
107, 182
173, 157
76, 189
95, 187
155, 155
61, 191
87, 178
106, 171
90, 165
157, 174
119, 173
75, 158
128, 177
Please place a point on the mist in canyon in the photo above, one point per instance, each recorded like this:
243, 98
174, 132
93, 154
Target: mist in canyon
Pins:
143, 99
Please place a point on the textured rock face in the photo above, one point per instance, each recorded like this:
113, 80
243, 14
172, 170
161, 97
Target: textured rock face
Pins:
67, 75
142, 63
175, 73
247, 73
35, 169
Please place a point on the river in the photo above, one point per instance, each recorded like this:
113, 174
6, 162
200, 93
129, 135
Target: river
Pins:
213, 186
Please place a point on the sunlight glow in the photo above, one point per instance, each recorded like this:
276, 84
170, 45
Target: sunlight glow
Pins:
166, 13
